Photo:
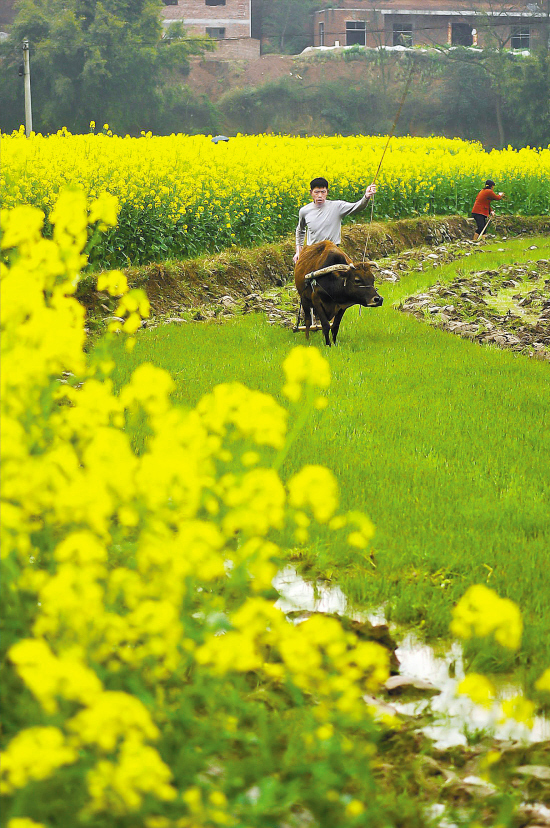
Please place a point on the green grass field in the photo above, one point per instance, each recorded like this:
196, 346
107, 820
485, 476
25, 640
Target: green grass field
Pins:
443, 443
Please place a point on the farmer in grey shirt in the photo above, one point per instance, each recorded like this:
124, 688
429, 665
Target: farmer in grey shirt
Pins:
322, 219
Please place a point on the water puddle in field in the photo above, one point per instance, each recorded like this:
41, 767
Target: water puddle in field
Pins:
450, 716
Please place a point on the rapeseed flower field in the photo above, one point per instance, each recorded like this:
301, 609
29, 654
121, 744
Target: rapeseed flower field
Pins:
183, 195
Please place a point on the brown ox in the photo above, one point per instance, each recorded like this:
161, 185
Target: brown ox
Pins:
331, 293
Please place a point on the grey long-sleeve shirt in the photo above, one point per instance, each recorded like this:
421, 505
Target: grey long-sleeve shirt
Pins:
324, 223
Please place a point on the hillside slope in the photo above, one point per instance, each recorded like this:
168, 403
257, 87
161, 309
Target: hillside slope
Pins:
342, 92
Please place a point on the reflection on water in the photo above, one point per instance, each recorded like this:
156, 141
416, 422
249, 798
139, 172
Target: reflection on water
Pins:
297, 594
453, 715
456, 714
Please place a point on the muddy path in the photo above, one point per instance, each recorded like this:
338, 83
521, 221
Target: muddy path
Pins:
244, 280
508, 308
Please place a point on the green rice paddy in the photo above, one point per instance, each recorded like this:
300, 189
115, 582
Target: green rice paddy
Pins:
443, 443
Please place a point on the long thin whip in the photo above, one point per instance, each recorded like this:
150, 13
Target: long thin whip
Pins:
405, 93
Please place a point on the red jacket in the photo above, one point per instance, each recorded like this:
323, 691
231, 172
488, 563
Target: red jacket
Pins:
482, 203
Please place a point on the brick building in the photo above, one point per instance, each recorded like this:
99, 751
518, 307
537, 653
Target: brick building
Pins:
428, 22
230, 22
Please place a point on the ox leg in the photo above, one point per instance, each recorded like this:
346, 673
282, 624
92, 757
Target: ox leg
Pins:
336, 323
307, 309
320, 311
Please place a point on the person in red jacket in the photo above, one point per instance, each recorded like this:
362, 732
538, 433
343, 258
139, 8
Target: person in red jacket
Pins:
482, 206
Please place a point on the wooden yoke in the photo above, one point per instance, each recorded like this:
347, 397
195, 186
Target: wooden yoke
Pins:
323, 270
341, 267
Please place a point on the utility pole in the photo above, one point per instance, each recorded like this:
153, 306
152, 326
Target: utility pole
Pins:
27, 79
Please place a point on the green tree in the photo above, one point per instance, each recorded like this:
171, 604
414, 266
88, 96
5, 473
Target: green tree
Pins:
287, 24
528, 99
103, 61
528, 89
514, 88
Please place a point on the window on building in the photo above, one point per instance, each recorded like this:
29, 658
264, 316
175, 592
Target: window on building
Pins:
403, 32
215, 2
461, 35
170, 2
521, 37
321, 34
215, 32
356, 33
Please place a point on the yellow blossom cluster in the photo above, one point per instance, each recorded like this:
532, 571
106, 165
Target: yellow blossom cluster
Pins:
139, 582
35, 753
23, 822
478, 688
305, 651
305, 368
481, 612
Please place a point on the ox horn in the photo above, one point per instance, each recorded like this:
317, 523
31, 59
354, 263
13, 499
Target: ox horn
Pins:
366, 262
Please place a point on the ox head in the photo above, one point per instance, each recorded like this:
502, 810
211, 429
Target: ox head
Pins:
359, 285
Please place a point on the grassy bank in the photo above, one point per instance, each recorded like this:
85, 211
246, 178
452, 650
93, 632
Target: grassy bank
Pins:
443, 443
175, 284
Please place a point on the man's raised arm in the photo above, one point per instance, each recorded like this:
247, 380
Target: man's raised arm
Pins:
348, 209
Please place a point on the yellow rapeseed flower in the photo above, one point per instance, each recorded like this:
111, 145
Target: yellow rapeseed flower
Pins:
481, 612
478, 688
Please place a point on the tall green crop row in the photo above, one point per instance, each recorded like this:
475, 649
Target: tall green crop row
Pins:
184, 195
